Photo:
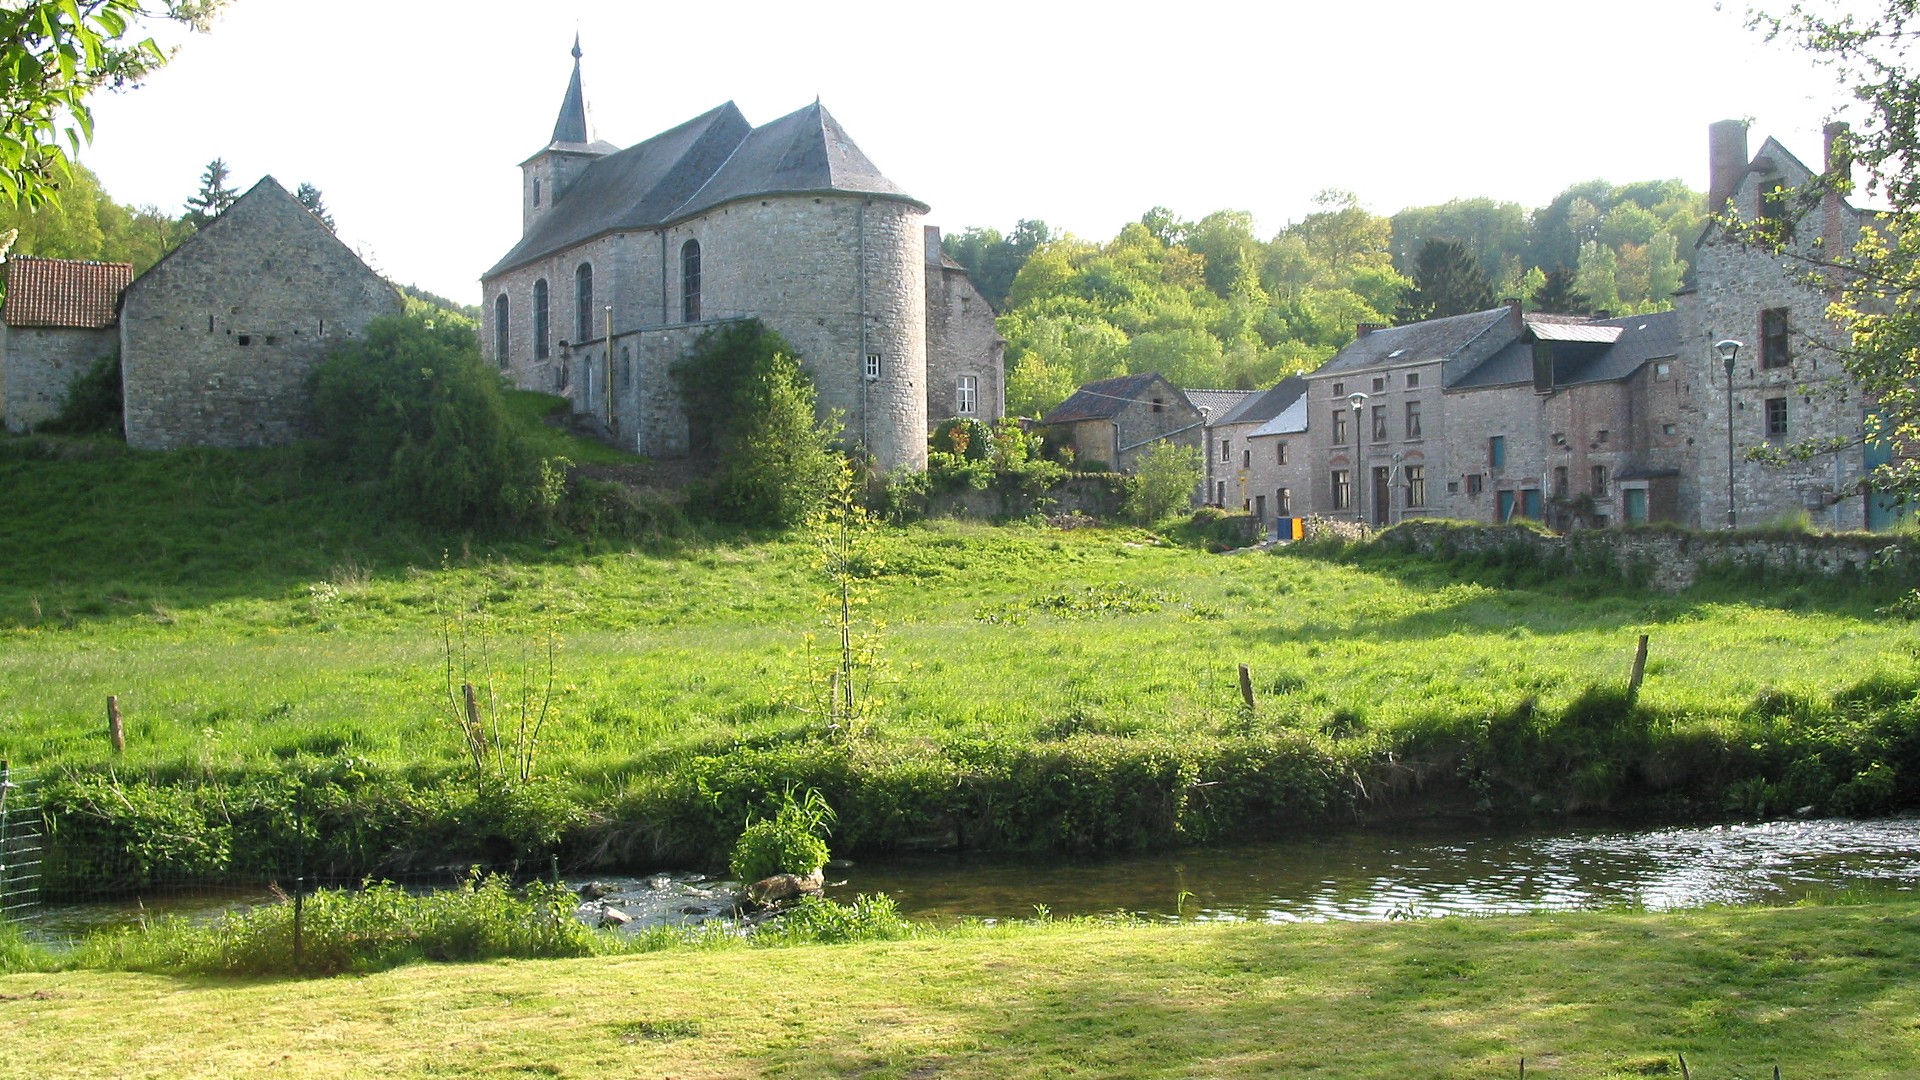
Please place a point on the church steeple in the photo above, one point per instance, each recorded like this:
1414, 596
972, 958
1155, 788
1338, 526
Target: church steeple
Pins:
572, 125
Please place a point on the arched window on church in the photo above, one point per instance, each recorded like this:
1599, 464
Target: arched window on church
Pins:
690, 281
583, 303
541, 350
500, 337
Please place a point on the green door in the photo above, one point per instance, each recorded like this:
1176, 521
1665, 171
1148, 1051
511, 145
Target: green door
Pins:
1883, 512
1504, 507
1530, 503
1636, 506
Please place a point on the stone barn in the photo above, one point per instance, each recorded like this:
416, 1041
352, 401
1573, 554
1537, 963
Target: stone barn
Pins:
217, 339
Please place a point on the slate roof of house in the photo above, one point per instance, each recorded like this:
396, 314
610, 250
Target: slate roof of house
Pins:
1218, 403
1637, 339
1104, 398
1288, 421
1261, 407
712, 159
1456, 337
67, 293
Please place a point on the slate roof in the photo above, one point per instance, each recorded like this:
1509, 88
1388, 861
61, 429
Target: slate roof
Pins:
1104, 398
1638, 339
571, 125
1457, 337
1288, 421
1218, 403
66, 293
712, 159
1261, 407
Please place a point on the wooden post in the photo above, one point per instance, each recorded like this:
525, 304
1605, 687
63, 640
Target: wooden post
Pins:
1246, 686
116, 732
1639, 670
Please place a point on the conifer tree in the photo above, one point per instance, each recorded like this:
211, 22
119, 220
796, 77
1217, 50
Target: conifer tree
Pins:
309, 197
214, 195
1447, 281
1559, 296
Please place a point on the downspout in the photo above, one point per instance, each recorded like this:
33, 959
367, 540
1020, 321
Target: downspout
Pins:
663, 277
860, 361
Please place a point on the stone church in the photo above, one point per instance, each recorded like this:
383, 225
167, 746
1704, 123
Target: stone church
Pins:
626, 257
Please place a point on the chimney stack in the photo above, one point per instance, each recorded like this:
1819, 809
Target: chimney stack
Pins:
1361, 330
1838, 160
1514, 314
1726, 161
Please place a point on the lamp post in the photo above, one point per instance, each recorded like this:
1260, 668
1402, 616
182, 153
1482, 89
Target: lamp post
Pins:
1358, 400
1727, 350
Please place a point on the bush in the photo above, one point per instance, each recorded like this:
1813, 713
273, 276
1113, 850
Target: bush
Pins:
788, 843
752, 408
1168, 476
413, 407
93, 403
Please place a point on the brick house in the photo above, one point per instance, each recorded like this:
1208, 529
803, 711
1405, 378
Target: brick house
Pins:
57, 322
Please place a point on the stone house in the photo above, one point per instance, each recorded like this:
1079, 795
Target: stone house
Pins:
1216, 463
1787, 384
1494, 415
1118, 420
627, 257
1277, 460
58, 321
217, 339
1230, 450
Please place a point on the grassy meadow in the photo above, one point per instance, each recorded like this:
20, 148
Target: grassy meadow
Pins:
1029, 686
1820, 992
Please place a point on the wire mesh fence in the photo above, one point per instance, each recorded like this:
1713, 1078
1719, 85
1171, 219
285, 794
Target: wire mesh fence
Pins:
22, 844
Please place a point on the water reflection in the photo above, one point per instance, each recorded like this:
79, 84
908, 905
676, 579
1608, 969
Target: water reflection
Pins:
1381, 874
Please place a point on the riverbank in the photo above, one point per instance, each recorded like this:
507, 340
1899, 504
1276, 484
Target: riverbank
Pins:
1821, 991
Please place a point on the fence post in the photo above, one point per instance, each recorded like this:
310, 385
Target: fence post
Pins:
1246, 686
1639, 670
116, 733
6, 785
299, 874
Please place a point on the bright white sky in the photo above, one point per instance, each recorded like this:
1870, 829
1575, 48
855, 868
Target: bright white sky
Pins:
412, 116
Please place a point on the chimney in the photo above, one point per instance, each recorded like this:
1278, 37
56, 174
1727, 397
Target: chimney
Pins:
1835, 185
1361, 330
1514, 315
933, 245
1726, 161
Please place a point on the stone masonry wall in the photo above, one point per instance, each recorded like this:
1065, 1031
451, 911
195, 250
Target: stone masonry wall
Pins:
38, 366
1665, 559
1735, 285
961, 340
217, 340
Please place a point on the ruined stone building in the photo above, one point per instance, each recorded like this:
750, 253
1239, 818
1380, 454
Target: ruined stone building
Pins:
627, 257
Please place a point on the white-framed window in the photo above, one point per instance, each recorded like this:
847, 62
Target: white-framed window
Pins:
966, 394
1226, 451
1283, 502
873, 366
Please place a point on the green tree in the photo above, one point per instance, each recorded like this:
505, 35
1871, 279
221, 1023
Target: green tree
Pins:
1166, 480
214, 195
993, 260
309, 197
54, 55
1447, 281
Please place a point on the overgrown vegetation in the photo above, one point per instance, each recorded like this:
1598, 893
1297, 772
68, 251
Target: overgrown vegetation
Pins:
751, 409
411, 408
1168, 476
792, 841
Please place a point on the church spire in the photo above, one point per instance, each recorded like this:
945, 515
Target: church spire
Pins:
572, 126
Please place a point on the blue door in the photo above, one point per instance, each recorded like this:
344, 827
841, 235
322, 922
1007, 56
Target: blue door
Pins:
1530, 503
1883, 512
1504, 507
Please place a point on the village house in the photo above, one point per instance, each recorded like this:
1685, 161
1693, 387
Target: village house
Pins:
1278, 462
1233, 478
627, 257
1118, 421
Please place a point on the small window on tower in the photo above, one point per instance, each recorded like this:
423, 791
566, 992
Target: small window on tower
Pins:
873, 366
536, 191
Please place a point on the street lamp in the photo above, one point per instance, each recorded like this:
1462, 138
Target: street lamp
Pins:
1358, 400
1726, 351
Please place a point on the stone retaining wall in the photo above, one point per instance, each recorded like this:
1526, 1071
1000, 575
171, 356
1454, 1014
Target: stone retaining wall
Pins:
1667, 559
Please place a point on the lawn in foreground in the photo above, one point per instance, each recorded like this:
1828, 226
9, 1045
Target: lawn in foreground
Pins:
1820, 991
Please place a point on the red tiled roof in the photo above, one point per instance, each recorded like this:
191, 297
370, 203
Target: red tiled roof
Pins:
64, 292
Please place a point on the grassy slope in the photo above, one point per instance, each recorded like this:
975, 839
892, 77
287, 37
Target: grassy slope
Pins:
1822, 992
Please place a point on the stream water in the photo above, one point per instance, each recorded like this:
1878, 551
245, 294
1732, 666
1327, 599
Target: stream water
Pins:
1372, 873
